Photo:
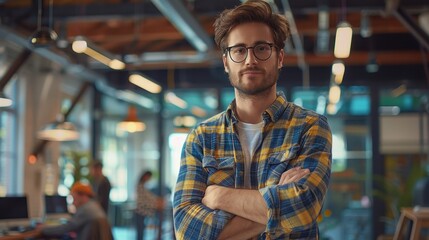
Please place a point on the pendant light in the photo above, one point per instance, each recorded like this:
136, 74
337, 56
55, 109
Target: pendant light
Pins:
59, 131
4, 100
131, 123
343, 36
43, 36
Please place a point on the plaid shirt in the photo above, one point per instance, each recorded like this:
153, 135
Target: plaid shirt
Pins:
212, 154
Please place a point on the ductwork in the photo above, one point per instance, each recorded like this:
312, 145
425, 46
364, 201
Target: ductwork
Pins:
182, 19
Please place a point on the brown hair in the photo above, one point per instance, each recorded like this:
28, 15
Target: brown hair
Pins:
251, 11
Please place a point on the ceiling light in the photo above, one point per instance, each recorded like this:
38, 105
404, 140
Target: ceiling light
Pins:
43, 37
59, 131
338, 70
185, 121
331, 108
144, 83
334, 94
365, 25
82, 45
399, 90
175, 100
131, 123
199, 112
116, 64
5, 101
135, 98
343, 40
79, 45
372, 65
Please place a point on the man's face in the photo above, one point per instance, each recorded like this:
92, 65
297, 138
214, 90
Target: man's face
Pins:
252, 76
95, 171
76, 199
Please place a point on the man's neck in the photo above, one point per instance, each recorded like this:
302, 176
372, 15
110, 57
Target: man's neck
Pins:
249, 109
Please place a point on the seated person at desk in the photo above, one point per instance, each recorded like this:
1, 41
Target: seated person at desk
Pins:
89, 221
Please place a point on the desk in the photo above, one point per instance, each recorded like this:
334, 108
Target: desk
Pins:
24, 235
420, 220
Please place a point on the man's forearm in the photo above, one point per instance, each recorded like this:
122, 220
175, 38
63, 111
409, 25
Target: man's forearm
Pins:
245, 203
241, 228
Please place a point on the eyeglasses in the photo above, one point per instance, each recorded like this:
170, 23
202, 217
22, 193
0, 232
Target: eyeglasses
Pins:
262, 51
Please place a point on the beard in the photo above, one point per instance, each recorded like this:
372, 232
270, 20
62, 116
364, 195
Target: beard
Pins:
254, 87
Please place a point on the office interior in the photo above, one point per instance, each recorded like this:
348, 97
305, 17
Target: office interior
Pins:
377, 107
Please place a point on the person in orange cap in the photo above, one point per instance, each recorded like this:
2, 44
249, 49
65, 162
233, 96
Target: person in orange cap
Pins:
88, 211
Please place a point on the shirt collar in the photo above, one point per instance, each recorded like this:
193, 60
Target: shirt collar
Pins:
272, 113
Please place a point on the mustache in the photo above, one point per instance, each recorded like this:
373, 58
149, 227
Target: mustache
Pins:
251, 69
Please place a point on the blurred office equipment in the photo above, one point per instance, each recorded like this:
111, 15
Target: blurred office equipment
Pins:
56, 209
14, 214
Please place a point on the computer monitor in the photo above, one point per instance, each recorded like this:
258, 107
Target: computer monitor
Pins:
56, 208
14, 211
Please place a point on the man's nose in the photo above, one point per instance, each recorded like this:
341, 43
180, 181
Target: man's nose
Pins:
251, 59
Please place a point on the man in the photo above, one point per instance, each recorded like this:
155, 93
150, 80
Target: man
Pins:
100, 184
89, 221
262, 167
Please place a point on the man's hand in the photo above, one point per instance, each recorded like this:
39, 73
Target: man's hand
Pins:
210, 196
293, 175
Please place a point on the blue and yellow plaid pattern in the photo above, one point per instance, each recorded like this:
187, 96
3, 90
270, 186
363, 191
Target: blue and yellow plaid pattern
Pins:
292, 136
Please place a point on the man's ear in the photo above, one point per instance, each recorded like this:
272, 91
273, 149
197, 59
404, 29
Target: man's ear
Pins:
225, 64
281, 58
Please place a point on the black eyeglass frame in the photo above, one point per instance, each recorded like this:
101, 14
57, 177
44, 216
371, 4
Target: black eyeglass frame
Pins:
228, 50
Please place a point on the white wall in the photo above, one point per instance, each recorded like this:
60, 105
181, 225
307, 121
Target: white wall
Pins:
402, 134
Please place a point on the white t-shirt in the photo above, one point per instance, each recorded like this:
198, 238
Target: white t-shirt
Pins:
250, 136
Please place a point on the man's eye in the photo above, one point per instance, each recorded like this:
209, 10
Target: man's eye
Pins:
262, 48
238, 50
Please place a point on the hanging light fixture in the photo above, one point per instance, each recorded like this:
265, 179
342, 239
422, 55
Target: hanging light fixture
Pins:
59, 131
343, 40
5, 101
343, 36
338, 70
83, 45
131, 123
372, 65
43, 36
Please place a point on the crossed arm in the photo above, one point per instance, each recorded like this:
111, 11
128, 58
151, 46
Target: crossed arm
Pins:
248, 206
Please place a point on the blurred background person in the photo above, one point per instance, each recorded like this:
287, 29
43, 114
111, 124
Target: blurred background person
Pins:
89, 221
147, 204
100, 184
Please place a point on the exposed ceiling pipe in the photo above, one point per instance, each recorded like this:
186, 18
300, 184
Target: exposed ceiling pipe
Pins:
165, 58
14, 67
393, 8
421, 36
72, 69
299, 49
182, 19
